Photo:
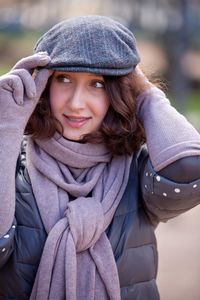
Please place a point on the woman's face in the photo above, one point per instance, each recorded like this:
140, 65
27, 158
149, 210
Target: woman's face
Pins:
79, 101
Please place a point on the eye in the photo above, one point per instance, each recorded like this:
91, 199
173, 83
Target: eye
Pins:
63, 78
98, 84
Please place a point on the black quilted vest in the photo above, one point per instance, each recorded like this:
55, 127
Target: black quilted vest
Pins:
130, 233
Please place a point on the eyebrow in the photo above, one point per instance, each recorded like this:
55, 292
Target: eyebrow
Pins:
95, 75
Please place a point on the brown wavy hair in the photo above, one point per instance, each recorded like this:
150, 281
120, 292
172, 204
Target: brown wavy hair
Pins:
121, 129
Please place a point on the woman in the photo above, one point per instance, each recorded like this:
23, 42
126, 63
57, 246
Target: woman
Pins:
80, 203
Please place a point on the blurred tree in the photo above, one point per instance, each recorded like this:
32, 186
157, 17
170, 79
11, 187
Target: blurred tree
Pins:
177, 40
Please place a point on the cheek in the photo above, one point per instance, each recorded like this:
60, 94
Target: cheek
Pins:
102, 107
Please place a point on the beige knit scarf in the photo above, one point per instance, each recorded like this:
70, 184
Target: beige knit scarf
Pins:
77, 260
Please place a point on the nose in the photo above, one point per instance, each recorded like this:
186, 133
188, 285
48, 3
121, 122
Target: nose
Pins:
77, 98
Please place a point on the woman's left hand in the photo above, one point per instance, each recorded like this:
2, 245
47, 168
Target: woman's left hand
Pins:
142, 83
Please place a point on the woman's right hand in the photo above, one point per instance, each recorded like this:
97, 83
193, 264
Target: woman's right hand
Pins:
20, 91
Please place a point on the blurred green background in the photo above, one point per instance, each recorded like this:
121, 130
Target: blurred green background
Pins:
167, 33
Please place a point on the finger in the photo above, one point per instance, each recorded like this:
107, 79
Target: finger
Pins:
28, 82
41, 80
32, 62
15, 85
139, 71
142, 75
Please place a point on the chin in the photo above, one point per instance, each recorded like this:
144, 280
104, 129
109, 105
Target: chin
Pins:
74, 138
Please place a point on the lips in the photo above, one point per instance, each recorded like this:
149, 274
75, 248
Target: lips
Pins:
76, 121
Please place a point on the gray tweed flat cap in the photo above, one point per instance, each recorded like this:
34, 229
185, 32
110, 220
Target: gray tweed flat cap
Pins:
95, 44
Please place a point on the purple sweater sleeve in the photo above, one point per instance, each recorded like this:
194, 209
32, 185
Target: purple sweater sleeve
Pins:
169, 135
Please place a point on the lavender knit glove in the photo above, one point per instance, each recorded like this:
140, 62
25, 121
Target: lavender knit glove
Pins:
169, 135
19, 94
